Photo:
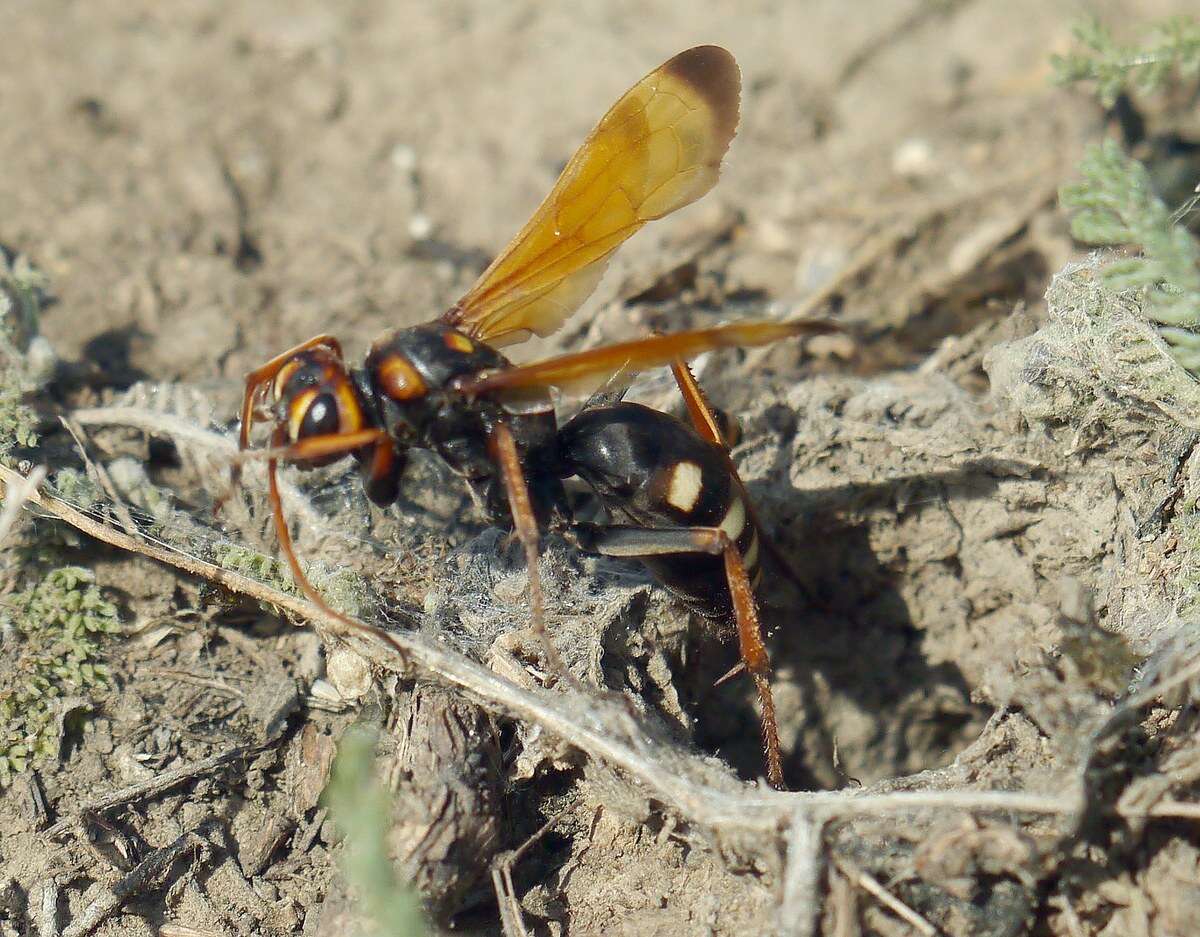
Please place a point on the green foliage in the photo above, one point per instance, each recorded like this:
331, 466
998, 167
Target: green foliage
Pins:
1115, 204
53, 635
20, 302
1174, 46
78, 488
344, 589
361, 808
253, 565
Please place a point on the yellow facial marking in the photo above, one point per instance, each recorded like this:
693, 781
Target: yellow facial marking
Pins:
349, 412
282, 376
399, 379
683, 489
297, 411
456, 341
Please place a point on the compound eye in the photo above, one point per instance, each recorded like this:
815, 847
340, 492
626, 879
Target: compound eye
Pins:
321, 418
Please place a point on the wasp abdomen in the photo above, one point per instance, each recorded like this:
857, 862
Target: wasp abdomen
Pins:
652, 471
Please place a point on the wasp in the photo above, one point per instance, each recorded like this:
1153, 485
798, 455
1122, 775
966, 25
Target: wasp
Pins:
672, 493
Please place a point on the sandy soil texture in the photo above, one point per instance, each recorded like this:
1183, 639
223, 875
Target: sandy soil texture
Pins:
985, 493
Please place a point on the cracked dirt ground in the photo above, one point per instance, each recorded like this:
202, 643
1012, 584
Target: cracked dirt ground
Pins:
990, 539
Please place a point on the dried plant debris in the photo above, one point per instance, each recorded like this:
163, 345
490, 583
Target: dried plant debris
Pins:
992, 577
998, 603
986, 665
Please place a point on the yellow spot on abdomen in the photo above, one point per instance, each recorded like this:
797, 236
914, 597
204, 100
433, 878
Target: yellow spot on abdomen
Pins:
735, 519
750, 560
683, 490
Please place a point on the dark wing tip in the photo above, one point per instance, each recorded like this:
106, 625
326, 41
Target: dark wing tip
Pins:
714, 74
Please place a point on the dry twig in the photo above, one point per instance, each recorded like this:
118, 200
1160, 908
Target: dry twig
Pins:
48, 909
870, 884
145, 874
17, 494
736, 809
800, 904
153, 786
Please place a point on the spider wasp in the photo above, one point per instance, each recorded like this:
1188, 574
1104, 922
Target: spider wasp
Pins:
671, 489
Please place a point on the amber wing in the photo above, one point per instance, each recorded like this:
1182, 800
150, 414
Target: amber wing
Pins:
583, 372
657, 149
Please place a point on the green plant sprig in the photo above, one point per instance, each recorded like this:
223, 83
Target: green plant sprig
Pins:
1115, 204
361, 808
1174, 47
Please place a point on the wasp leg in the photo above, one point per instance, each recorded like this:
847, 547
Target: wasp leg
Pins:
285, 541
702, 413
504, 450
639, 542
706, 420
313, 448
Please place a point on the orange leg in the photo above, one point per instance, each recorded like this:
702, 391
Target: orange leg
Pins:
706, 423
750, 639
314, 448
504, 448
704, 420
642, 542
285, 539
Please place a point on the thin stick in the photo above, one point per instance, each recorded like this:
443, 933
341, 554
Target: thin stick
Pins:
15, 497
152, 421
512, 922
870, 884
152, 786
184, 676
736, 808
145, 873
100, 474
48, 909
170, 929
506, 893
800, 904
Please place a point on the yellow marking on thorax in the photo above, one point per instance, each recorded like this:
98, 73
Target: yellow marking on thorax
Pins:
282, 376
456, 341
349, 412
399, 379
